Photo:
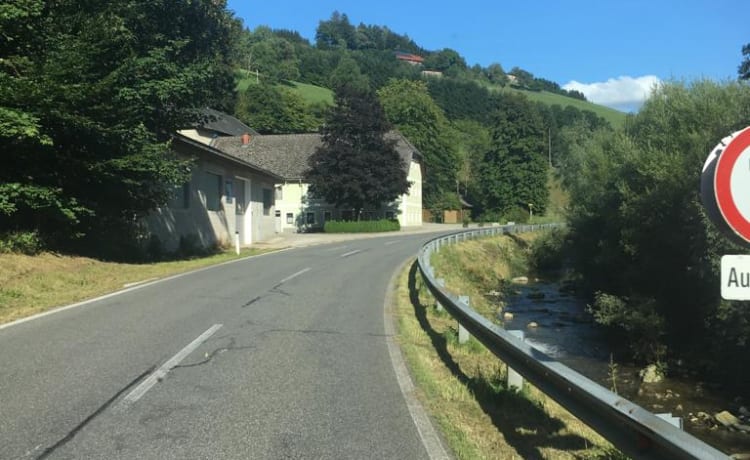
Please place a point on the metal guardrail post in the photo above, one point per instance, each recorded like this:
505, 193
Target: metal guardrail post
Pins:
463, 334
514, 379
438, 305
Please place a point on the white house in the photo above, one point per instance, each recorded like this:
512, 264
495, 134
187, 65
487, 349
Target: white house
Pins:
225, 196
287, 156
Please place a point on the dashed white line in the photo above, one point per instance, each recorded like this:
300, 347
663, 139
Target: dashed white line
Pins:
350, 253
162, 371
336, 248
294, 275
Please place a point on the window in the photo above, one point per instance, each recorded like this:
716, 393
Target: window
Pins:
211, 187
267, 201
289, 218
327, 216
229, 190
279, 193
310, 218
181, 197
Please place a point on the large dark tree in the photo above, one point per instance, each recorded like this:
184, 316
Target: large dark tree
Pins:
513, 173
89, 93
356, 167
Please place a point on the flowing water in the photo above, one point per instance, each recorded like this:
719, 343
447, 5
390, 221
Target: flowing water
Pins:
566, 332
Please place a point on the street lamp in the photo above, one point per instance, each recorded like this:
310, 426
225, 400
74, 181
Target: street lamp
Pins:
531, 212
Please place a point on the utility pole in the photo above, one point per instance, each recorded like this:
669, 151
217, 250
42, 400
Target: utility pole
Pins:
549, 146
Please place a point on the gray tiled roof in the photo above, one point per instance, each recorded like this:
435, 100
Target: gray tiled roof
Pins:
222, 123
287, 154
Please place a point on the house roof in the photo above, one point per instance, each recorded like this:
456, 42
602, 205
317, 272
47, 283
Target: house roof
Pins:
287, 155
212, 150
221, 123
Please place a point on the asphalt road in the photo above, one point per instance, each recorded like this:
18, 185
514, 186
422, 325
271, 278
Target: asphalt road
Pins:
294, 365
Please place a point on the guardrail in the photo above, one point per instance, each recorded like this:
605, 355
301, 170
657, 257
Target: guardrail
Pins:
633, 430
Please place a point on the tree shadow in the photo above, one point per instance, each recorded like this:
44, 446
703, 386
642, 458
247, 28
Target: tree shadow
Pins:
524, 423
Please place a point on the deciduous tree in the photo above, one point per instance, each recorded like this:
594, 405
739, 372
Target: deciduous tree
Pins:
356, 167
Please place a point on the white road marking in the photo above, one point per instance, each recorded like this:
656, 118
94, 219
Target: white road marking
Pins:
392, 242
427, 432
350, 253
162, 371
127, 285
336, 248
294, 275
132, 288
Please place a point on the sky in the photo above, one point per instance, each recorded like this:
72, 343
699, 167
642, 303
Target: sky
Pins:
612, 51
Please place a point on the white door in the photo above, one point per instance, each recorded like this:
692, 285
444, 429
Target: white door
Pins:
277, 218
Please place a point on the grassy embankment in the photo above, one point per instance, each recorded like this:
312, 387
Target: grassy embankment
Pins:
463, 386
34, 284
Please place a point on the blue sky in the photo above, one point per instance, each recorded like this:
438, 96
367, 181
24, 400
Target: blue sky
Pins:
613, 51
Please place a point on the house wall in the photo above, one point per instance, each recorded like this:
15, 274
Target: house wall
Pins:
190, 217
410, 206
294, 200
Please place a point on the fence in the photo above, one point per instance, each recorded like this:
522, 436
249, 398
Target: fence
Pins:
633, 430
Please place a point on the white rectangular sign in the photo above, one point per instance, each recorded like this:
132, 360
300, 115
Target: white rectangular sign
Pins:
735, 277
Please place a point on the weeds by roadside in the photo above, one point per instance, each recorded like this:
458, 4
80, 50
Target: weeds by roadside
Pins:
463, 386
34, 284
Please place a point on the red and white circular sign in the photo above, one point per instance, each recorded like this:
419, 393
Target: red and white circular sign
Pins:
726, 185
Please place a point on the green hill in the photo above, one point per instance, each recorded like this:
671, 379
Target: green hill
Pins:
317, 94
614, 117
313, 94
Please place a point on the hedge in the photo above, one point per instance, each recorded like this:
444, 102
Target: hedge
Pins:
362, 226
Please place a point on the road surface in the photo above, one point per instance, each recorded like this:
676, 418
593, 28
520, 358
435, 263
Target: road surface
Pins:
279, 356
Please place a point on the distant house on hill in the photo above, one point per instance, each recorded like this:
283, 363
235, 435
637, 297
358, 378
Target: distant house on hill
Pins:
432, 73
409, 58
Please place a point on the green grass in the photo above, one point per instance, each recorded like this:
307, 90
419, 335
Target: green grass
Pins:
310, 93
34, 284
463, 386
313, 94
614, 117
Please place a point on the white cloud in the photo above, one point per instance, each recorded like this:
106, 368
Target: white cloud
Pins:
621, 93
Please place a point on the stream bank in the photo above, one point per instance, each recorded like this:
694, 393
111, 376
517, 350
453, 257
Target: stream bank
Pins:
558, 324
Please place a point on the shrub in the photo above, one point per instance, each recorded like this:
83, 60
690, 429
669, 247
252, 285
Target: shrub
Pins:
517, 215
362, 226
21, 242
547, 250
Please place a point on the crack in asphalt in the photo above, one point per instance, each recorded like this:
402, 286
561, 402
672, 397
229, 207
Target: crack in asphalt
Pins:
208, 357
72, 433
252, 301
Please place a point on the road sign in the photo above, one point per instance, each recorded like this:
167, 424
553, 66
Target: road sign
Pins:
725, 186
735, 277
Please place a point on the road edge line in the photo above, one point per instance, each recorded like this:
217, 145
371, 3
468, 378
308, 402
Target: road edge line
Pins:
142, 285
427, 433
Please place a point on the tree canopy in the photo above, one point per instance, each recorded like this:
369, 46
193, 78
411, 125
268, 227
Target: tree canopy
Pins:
639, 231
356, 167
513, 173
409, 107
89, 94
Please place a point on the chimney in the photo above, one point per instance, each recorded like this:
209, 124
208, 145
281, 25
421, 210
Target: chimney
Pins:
245, 139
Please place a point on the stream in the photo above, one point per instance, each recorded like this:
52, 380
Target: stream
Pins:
566, 332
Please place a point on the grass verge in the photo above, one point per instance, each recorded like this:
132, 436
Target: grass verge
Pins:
34, 284
463, 386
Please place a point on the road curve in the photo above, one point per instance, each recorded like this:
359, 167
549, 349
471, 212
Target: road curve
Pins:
279, 356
